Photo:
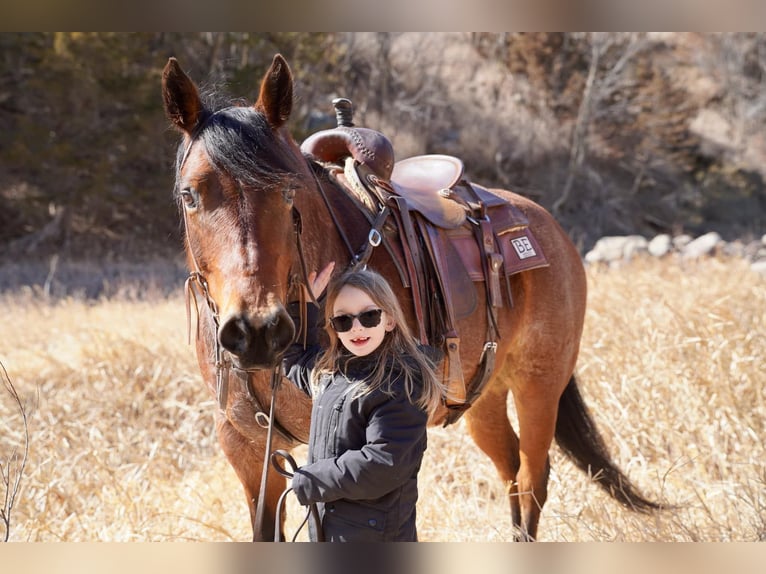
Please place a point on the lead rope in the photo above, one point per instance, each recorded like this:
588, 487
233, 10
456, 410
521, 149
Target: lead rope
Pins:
312, 512
276, 378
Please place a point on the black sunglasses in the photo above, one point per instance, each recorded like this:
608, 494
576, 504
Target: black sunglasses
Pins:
368, 319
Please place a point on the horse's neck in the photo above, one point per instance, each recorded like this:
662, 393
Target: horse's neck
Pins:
321, 223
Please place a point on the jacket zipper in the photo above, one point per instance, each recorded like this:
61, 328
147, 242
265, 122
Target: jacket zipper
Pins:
332, 428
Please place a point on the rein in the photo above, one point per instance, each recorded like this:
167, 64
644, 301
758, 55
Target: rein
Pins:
276, 378
374, 238
312, 513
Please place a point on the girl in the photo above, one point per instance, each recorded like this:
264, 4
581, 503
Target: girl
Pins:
373, 391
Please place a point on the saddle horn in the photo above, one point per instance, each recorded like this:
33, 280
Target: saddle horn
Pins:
368, 147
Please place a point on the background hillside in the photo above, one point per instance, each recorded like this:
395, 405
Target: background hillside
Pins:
615, 133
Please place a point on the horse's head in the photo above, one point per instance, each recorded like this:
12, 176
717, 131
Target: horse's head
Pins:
236, 175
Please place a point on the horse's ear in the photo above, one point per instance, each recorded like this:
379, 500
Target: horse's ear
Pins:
183, 105
276, 97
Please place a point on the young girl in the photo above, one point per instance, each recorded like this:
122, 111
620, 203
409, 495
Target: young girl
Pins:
373, 391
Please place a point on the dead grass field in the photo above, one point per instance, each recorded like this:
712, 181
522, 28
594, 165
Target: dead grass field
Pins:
122, 445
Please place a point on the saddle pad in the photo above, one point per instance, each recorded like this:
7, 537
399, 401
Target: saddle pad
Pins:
521, 251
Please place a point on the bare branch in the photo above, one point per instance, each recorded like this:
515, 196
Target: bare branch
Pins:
12, 470
579, 134
599, 87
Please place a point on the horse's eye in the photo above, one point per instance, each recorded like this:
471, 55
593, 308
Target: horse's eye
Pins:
190, 198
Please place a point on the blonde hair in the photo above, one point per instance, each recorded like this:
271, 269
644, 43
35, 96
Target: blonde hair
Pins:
399, 348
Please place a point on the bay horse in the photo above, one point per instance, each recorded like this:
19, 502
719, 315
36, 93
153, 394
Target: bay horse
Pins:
258, 213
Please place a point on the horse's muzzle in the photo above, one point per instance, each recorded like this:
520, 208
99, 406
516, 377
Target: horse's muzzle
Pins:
255, 341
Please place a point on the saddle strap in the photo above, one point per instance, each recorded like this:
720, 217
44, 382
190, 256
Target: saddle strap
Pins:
476, 203
485, 240
476, 385
456, 391
494, 263
414, 263
374, 238
348, 181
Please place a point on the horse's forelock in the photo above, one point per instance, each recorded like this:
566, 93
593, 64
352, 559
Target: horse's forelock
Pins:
240, 143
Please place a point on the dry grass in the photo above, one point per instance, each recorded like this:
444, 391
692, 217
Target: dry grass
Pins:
122, 445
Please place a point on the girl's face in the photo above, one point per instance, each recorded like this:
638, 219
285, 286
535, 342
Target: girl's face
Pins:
359, 340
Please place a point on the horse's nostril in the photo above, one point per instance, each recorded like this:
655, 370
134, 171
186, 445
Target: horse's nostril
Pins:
257, 343
235, 335
283, 333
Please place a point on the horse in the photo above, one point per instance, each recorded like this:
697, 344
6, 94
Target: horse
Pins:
258, 213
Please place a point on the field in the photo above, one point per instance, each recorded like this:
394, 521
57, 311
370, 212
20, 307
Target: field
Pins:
121, 442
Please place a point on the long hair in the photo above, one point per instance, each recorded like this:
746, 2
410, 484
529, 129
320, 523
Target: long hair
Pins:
398, 354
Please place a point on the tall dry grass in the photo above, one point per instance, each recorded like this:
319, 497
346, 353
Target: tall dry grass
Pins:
122, 445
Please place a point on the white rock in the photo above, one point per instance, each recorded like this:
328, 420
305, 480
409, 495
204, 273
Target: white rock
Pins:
733, 248
592, 256
660, 245
759, 267
681, 241
616, 248
703, 245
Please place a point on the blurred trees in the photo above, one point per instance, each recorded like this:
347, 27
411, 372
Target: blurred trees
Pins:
87, 153
617, 132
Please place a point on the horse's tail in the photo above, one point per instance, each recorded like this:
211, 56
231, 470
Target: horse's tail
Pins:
581, 442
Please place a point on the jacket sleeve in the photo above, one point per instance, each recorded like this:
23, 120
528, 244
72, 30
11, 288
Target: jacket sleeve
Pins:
395, 442
299, 360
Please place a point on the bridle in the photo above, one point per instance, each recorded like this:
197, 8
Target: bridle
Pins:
222, 360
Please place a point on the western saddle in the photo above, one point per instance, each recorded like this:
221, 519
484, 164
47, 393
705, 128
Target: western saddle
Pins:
448, 234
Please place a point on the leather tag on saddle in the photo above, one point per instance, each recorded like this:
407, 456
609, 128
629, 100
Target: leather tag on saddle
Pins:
521, 251
518, 245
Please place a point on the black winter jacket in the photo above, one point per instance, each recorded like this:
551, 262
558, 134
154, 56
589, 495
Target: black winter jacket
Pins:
364, 453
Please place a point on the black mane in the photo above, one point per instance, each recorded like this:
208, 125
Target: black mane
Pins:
240, 143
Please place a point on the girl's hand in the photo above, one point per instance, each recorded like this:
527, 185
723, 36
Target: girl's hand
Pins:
318, 282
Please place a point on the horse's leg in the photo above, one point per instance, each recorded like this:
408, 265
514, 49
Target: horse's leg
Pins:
521, 460
488, 425
246, 457
537, 410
